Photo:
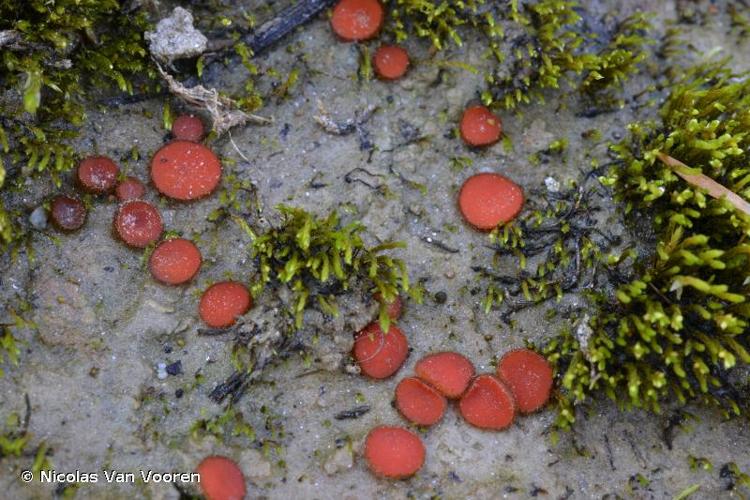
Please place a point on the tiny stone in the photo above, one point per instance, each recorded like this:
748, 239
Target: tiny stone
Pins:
341, 460
161, 371
450, 274
38, 218
441, 297
179, 393
175, 368
176, 37
553, 185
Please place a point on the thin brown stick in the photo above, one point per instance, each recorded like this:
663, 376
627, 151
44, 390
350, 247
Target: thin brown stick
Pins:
702, 181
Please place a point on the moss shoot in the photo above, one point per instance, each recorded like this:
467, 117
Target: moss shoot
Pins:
320, 257
676, 326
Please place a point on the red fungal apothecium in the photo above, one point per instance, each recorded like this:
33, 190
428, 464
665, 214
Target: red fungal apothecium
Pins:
390, 62
379, 354
138, 223
480, 127
221, 479
187, 128
185, 170
418, 402
488, 200
488, 403
393, 308
130, 189
355, 20
448, 372
175, 261
97, 174
394, 452
67, 213
222, 303
529, 377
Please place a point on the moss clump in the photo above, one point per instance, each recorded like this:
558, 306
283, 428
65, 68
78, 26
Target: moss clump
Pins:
553, 49
618, 60
554, 244
678, 321
439, 21
319, 257
52, 55
536, 45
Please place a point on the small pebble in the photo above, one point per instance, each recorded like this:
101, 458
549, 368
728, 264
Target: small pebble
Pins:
441, 297
175, 368
38, 218
553, 185
161, 371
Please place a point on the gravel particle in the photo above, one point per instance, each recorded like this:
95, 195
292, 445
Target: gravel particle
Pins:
176, 37
174, 368
342, 459
38, 218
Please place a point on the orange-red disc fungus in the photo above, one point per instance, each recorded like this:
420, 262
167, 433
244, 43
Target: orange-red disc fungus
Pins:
221, 479
355, 20
487, 200
97, 174
529, 377
175, 261
394, 452
390, 62
187, 128
130, 189
418, 402
480, 127
379, 354
448, 372
488, 403
138, 223
185, 170
67, 213
222, 303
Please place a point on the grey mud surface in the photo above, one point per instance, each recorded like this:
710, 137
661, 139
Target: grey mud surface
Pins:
89, 369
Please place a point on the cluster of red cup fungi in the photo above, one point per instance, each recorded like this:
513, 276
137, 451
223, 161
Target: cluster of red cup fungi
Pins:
183, 170
490, 401
186, 170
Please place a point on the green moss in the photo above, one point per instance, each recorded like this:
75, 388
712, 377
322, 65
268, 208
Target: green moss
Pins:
678, 321
439, 22
229, 423
618, 60
554, 244
318, 257
535, 45
13, 439
553, 51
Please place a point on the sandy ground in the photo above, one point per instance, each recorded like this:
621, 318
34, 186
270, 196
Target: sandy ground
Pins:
103, 325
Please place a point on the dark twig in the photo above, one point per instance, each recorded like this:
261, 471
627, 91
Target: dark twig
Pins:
277, 28
352, 176
439, 244
355, 412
